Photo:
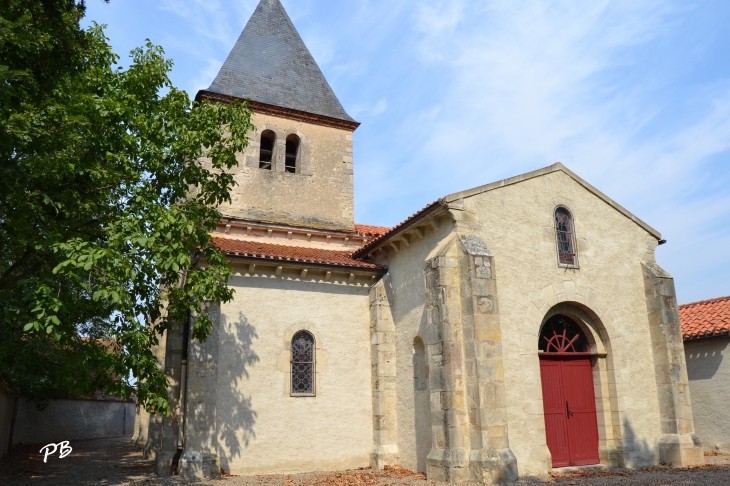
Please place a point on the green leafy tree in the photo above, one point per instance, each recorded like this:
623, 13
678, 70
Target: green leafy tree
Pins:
109, 183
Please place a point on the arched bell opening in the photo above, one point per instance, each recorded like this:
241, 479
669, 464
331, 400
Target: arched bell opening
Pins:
266, 150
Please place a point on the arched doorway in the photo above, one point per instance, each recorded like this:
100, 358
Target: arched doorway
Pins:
567, 392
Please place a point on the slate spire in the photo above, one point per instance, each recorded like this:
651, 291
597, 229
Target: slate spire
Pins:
270, 64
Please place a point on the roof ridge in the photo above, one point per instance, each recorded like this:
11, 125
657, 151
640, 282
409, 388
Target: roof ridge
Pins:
270, 64
708, 301
557, 166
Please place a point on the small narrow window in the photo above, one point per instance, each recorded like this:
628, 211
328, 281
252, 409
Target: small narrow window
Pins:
266, 154
302, 364
420, 372
292, 153
565, 236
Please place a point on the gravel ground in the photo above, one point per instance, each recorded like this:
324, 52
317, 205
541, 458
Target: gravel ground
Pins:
114, 461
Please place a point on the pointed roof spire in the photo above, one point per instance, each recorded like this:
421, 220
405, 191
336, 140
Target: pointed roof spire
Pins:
270, 64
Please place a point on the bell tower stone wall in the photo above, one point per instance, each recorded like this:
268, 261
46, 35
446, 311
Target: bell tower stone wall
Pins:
318, 195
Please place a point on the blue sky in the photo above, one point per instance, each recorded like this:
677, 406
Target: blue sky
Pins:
634, 96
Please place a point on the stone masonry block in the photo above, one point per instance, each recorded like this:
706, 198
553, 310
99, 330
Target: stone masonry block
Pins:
487, 328
195, 464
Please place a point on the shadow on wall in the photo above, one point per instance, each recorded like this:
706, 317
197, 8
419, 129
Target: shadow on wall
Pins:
67, 419
702, 365
422, 402
235, 414
637, 452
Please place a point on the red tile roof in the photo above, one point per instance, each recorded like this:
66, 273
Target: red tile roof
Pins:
291, 253
705, 318
362, 252
367, 230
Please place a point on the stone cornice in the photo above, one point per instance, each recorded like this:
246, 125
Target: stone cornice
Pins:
291, 264
299, 236
281, 112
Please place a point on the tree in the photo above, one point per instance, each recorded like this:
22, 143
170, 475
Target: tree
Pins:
109, 184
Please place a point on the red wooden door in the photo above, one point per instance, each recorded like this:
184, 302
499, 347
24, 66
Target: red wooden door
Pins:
570, 411
553, 399
581, 410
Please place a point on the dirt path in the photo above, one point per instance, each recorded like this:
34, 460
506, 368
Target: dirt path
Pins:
114, 461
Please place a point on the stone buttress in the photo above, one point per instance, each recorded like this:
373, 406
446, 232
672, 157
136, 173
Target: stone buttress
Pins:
385, 424
678, 444
464, 353
199, 457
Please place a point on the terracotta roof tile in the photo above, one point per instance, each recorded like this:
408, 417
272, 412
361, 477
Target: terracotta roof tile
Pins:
367, 230
705, 318
291, 253
371, 244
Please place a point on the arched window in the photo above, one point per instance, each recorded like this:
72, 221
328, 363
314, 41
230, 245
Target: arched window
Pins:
561, 334
420, 374
266, 153
292, 153
565, 235
302, 364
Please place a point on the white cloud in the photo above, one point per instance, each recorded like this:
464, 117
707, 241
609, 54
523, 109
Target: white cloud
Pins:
370, 110
205, 76
198, 14
530, 83
457, 93
438, 17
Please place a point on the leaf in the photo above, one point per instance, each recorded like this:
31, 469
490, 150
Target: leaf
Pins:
101, 196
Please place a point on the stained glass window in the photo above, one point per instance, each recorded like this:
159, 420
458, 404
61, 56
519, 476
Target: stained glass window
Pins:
302, 364
565, 236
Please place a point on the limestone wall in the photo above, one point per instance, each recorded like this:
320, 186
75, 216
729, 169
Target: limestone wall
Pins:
516, 222
260, 427
319, 195
708, 366
622, 299
405, 286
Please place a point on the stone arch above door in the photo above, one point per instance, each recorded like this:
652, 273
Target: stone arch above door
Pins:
583, 298
595, 333
601, 325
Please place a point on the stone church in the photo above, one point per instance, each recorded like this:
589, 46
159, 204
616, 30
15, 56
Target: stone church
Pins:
499, 332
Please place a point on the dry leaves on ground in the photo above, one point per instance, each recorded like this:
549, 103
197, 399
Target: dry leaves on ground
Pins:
714, 453
358, 477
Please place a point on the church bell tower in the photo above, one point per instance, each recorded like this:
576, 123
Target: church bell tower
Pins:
298, 168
